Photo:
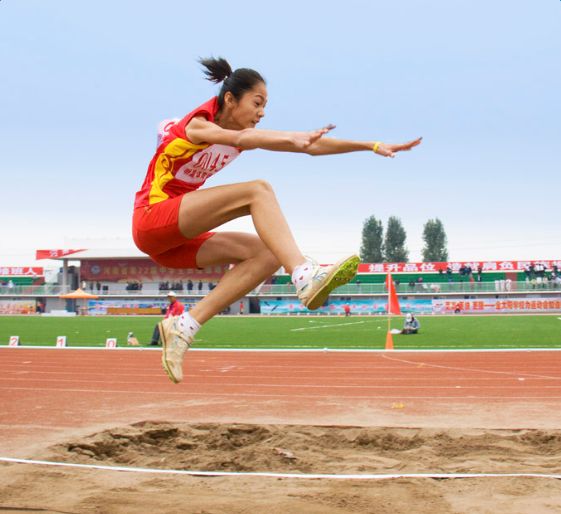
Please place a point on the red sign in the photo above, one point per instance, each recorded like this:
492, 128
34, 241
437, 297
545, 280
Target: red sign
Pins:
54, 254
435, 267
19, 271
115, 270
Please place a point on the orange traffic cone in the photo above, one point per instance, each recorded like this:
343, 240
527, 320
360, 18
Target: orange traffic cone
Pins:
389, 341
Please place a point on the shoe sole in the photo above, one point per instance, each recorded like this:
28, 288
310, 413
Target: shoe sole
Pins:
164, 346
340, 275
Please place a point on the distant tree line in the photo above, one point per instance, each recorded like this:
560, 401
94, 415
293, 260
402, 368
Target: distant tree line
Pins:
391, 247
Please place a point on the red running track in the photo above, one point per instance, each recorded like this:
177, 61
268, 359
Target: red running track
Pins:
48, 395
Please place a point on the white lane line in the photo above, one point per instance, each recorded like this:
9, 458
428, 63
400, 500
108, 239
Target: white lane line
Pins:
476, 370
298, 349
284, 385
160, 394
278, 475
333, 377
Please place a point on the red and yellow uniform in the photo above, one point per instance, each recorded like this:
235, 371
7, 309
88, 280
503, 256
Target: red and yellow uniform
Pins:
178, 167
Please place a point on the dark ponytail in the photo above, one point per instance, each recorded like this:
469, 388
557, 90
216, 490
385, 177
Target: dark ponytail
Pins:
216, 69
236, 82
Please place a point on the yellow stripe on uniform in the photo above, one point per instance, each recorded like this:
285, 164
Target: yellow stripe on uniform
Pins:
163, 170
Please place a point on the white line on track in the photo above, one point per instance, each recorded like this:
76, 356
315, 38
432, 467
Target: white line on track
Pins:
278, 475
299, 349
297, 386
477, 370
188, 393
220, 379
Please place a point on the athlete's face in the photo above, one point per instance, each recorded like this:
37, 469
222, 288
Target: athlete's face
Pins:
250, 108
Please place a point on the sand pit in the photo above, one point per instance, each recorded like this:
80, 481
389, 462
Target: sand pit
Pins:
290, 449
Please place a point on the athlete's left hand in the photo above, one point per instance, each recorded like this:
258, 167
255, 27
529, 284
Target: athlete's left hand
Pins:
303, 140
388, 150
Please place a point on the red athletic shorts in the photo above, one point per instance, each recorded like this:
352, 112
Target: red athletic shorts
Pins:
155, 231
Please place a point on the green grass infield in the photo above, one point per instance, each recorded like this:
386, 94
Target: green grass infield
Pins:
300, 332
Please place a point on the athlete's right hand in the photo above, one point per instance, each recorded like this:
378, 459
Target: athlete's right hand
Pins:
303, 140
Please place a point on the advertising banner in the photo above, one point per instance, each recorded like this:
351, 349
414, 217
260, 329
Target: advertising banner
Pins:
491, 306
143, 269
20, 271
358, 306
54, 254
120, 307
417, 306
17, 306
435, 267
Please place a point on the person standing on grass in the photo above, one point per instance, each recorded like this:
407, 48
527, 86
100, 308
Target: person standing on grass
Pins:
173, 218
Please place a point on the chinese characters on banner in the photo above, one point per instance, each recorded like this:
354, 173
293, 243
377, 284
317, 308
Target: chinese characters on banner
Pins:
54, 254
19, 271
417, 306
435, 267
143, 269
492, 305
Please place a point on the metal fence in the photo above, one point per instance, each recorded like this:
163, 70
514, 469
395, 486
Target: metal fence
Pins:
435, 288
46, 290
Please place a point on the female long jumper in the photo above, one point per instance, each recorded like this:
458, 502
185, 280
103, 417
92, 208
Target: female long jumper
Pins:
173, 217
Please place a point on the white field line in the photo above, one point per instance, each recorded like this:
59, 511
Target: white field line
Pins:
329, 325
278, 475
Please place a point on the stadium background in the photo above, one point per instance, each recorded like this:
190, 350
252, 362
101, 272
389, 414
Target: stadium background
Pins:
128, 283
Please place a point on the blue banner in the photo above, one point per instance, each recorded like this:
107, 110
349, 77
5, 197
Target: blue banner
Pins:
356, 305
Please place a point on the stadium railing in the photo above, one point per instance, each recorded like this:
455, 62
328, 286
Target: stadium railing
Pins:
498, 287
424, 288
44, 290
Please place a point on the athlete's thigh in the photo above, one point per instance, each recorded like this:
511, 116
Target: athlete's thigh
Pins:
206, 209
229, 248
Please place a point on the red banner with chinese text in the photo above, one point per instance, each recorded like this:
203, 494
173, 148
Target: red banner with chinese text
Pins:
54, 254
435, 267
20, 271
115, 270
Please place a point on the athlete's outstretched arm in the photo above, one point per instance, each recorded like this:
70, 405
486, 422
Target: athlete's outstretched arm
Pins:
200, 131
329, 146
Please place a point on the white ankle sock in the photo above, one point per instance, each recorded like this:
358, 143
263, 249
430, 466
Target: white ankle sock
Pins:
302, 274
188, 325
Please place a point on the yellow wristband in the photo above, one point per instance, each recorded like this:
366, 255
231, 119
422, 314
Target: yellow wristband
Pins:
376, 146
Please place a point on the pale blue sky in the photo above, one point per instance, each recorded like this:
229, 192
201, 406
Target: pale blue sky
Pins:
84, 86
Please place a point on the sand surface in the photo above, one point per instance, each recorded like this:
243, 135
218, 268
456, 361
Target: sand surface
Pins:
290, 449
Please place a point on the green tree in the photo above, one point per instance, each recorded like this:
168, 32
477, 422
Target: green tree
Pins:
435, 240
394, 243
372, 248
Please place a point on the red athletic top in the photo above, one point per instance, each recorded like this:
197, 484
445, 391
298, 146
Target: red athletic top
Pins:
175, 308
179, 166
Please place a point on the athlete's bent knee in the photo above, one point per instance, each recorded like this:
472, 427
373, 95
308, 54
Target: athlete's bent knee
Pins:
260, 188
